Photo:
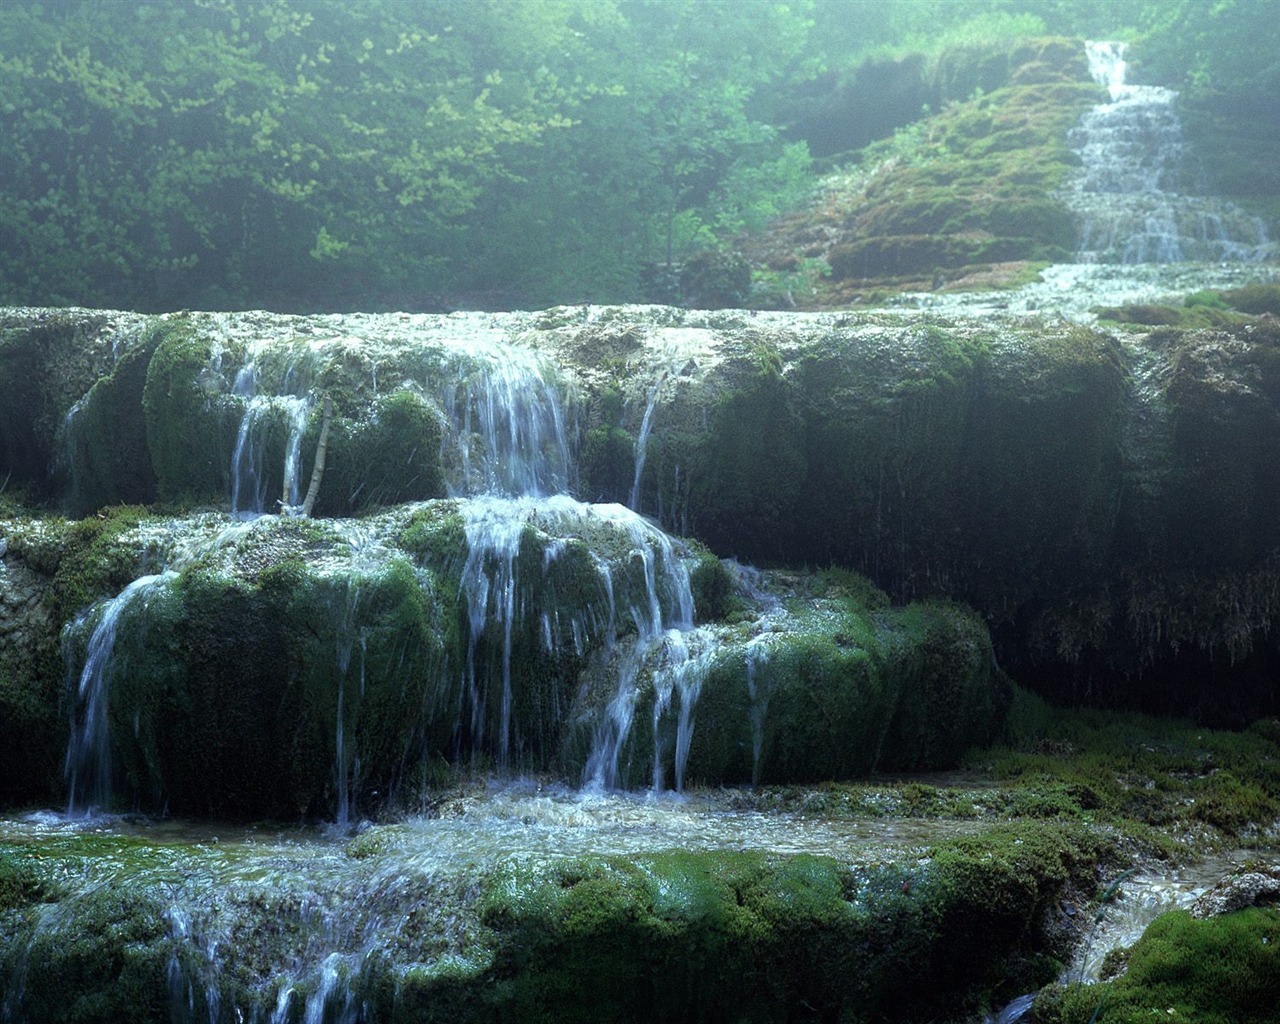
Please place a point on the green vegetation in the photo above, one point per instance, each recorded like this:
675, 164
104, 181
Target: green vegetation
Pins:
190, 430
840, 689
1134, 770
1059, 812
1224, 970
386, 155
390, 456
746, 934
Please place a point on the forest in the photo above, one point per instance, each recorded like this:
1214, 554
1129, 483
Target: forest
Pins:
308, 155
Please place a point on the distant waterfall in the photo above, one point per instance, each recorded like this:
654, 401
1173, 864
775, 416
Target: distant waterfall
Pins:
1127, 197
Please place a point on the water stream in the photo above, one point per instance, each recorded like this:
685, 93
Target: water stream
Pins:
1133, 197
88, 760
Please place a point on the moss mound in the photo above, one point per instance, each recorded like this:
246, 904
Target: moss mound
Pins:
970, 184
190, 425
1224, 970
685, 936
48, 362
840, 690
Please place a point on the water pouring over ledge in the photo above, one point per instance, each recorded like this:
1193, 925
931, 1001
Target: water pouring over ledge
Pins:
328, 986
1132, 197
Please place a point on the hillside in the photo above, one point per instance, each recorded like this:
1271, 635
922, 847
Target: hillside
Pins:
972, 196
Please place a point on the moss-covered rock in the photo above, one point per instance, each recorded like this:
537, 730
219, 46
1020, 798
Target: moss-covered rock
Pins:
190, 419
1224, 396
292, 691
840, 689
747, 498
49, 360
973, 182
694, 936
886, 429
106, 437
98, 957
31, 729
1224, 970
1042, 466
389, 457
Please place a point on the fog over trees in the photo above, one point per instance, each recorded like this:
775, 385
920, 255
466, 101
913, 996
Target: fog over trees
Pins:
317, 154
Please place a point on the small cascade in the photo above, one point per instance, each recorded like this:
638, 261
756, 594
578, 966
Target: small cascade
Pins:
661, 641
677, 684
72, 450
494, 528
1128, 197
88, 762
757, 655
642, 442
509, 422
263, 414
347, 768
626, 608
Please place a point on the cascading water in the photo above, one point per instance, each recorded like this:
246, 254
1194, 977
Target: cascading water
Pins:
756, 656
642, 619
261, 414
509, 422
88, 761
642, 443
1130, 196
494, 527
506, 452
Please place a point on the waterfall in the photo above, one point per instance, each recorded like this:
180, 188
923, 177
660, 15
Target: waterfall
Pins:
757, 655
249, 496
88, 762
642, 443
677, 683
508, 420
494, 528
649, 627
1126, 196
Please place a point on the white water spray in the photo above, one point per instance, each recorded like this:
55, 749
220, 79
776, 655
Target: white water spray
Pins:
1130, 196
88, 761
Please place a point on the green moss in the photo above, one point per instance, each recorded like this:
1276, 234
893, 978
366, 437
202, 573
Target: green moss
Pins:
1234, 804
1208, 298
48, 361
107, 440
713, 588
607, 463
435, 535
1223, 393
998, 886
1223, 970
968, 185
1198, 313
751, 936
91, 562
21, 884
1106, 766
1039, 493
190, 424
747, 499
229, 693
390, 456
1256, 299
102, 957
841, 691
886, 428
